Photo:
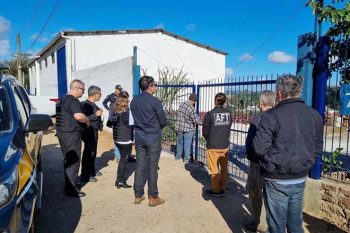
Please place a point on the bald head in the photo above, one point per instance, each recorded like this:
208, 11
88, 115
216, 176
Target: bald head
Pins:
76, 88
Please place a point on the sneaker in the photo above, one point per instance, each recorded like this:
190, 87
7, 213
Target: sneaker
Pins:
154, 201
138, 200
215, 194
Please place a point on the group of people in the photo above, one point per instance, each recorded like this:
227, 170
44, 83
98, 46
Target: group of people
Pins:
281, 144
139, 122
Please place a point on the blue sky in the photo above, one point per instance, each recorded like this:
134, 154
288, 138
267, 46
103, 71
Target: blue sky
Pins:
237, 27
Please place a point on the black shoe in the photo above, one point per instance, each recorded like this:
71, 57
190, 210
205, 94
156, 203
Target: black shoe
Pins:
98, 174
74, 193
122, 185
214, 194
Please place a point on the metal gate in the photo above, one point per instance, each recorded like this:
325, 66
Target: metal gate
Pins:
242, 98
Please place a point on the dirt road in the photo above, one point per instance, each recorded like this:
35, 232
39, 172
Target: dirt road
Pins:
108, 209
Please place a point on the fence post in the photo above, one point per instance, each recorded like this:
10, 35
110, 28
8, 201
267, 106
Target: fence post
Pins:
197, 110
319, 92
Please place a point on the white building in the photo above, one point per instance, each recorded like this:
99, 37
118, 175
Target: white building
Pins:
107, 58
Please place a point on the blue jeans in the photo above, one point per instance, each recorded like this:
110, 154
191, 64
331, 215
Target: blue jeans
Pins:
116, 153
284, 205
184, 143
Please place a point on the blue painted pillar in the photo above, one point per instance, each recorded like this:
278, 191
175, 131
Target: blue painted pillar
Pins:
321, 74
136, 72
305, 64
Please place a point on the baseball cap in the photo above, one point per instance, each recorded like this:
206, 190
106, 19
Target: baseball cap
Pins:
118, 87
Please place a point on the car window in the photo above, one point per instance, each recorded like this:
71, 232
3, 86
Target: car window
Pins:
24, 98
22, 112
5, 111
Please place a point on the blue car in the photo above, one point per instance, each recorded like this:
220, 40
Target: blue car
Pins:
21, 133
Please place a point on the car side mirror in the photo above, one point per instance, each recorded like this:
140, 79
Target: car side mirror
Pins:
38, 122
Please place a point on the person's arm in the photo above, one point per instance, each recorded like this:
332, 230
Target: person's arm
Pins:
249, 141
105, 102
160, 113
263, 140
77, 111
195, 118
206, 125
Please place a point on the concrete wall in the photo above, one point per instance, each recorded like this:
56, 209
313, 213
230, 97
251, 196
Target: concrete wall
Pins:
329, 200
106, 76
155, 50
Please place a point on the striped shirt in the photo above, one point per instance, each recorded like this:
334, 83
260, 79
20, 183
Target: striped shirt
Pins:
186, 118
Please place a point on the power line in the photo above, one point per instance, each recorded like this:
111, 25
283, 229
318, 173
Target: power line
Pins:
46, 22
275, 32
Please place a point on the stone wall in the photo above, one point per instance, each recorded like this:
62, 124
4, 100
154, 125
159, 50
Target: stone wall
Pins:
335, 204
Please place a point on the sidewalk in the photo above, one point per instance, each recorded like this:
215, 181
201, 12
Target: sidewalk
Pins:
108, 209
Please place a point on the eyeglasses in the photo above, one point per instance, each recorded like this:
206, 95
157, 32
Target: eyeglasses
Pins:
154, 84
83, 89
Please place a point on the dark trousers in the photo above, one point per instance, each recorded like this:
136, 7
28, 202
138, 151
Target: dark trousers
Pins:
125, 151
70, 143
90, 138
147, 159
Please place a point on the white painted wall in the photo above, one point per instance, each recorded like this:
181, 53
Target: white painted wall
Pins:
154, 50
48, 77
106, 76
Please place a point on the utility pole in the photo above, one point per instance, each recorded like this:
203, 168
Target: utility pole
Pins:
19, 60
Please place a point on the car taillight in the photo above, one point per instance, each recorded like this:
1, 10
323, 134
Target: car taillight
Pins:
54, 100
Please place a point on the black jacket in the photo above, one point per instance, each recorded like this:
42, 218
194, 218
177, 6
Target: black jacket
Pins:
112, 98
90, 109
122, 131
149, 118
287, 139
254, 124
217, 128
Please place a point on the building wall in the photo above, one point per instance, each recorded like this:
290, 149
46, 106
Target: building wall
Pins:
43, 73
155, 50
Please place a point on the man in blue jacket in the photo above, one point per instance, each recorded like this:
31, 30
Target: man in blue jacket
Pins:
149, 119
288, 138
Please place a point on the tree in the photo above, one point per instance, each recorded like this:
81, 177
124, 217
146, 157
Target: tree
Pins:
339, 34
25, 70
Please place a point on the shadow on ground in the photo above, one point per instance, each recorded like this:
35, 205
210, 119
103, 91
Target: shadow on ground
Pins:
314, 225
230, 206
58, 212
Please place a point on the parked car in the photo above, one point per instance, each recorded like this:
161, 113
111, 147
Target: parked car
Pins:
44, 104
21, 133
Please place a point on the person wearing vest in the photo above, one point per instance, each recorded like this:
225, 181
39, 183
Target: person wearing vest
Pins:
70, 122
90, 135
111, 99
122, 137
216, 131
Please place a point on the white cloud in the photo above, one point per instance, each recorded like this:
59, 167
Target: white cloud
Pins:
4, 47
160, 26
245, 57
229, 72
4, 27
33, 52
190, 27
280, 57
43, 39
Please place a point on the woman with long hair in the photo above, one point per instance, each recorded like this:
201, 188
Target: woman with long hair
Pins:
123, 137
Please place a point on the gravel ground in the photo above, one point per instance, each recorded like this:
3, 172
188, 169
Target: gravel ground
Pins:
108, 209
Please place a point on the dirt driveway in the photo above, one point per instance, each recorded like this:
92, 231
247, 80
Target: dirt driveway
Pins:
108, 209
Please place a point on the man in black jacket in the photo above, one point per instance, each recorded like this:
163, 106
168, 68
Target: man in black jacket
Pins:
286, 142
216, 130
255, 180
149, 119
90, 135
